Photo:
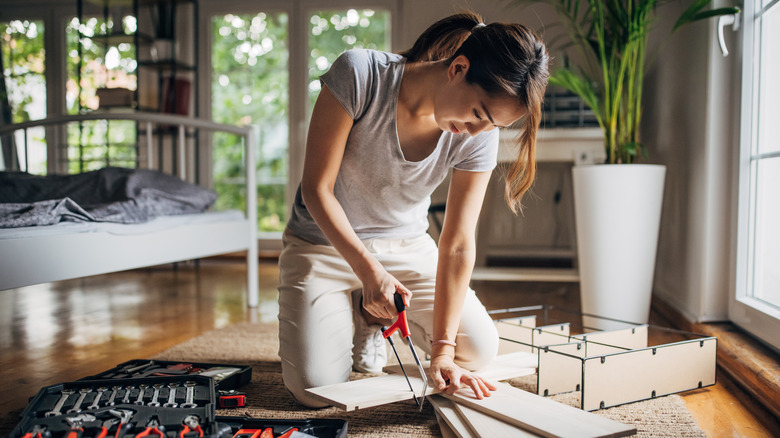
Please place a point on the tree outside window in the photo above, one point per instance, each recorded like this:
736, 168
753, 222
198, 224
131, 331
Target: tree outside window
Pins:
250, 85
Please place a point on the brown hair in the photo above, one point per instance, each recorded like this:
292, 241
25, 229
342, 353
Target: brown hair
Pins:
505, 59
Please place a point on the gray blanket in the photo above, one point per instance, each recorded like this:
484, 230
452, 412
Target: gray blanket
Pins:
112, 194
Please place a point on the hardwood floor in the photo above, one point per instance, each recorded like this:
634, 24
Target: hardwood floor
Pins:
62, 331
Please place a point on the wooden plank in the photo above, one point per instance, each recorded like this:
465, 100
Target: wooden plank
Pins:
445, 409
525, 321
551, 334
366, 393
380, 390
444, 428
514, 335
560, 368
484, 425
541, 415
599, 343
651, 372
504, 366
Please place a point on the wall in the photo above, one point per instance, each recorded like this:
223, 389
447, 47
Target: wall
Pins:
691, 125
418, 15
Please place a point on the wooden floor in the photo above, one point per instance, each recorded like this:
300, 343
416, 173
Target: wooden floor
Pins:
58, 332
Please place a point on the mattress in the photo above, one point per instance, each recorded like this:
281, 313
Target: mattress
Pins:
155, 225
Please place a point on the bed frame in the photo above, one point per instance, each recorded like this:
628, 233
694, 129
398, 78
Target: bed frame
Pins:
45, 258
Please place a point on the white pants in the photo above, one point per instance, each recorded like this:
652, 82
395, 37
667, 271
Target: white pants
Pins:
315, 313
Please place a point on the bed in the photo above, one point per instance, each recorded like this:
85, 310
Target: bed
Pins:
65, 250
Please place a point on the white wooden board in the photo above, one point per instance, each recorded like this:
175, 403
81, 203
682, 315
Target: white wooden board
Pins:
445, 409
560, 368
605, 342
504, 366
514, 335
541, 415
652, 372
551, 334
444, 428
375, 391
485, 426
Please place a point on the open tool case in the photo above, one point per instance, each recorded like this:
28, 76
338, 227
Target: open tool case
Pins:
181, 406
227, 378
146, 398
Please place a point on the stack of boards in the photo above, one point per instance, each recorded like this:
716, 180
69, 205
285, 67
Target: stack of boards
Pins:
508, 412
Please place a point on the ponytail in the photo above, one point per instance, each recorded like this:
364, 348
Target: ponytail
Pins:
443, 38
505, 59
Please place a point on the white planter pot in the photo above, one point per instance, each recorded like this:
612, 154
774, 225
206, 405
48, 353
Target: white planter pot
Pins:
618, 212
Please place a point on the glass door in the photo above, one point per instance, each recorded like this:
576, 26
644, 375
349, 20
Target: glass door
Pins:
756, 304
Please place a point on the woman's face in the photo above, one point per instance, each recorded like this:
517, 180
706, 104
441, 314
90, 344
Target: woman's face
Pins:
464, 108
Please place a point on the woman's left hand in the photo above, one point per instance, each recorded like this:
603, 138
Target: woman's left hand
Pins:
449, 377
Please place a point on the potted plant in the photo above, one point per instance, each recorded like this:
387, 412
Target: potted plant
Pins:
617, 204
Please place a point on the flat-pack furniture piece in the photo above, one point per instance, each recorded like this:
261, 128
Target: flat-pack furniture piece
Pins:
613, 367
40, 254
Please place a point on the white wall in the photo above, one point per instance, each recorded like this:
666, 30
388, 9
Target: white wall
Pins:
418, 15
691, 125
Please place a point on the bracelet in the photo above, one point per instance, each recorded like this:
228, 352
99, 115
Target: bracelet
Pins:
443, 341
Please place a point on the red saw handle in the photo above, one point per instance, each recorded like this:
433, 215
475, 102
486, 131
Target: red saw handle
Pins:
400, 323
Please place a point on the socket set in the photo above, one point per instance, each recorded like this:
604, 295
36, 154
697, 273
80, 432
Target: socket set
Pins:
180, 405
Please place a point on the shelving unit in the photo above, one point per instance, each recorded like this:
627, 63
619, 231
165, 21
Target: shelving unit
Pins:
162, 40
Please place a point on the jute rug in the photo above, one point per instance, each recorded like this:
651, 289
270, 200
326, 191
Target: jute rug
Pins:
257, 345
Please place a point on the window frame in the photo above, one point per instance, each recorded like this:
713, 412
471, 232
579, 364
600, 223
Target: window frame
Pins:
298, 11
752, 314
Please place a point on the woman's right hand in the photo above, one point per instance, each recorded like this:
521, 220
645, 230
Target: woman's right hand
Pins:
378, 295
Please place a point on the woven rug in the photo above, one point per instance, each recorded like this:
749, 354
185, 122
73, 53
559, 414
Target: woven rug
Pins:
256, 344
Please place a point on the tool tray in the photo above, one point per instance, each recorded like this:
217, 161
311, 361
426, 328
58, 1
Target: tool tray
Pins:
50, 407
319, 427
226, 377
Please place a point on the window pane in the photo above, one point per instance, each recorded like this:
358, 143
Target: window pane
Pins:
334, 31
250, 87
23, 63
104, 64
767, 233
769, 98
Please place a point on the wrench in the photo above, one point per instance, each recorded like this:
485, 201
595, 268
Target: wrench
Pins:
114, 390
141, 392
82, 395
57, 407
96, 402
126, 398
190, 395
156, 394
171, 396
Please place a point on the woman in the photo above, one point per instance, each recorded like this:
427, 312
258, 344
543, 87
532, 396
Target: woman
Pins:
385, 131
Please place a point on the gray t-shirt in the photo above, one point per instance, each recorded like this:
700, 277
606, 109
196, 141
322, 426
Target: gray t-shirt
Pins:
383, 194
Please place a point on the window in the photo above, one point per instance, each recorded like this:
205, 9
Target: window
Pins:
756, 305
105, 64
264, 64
23, 92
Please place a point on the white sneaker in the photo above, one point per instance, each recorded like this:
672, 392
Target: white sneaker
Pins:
369, 348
